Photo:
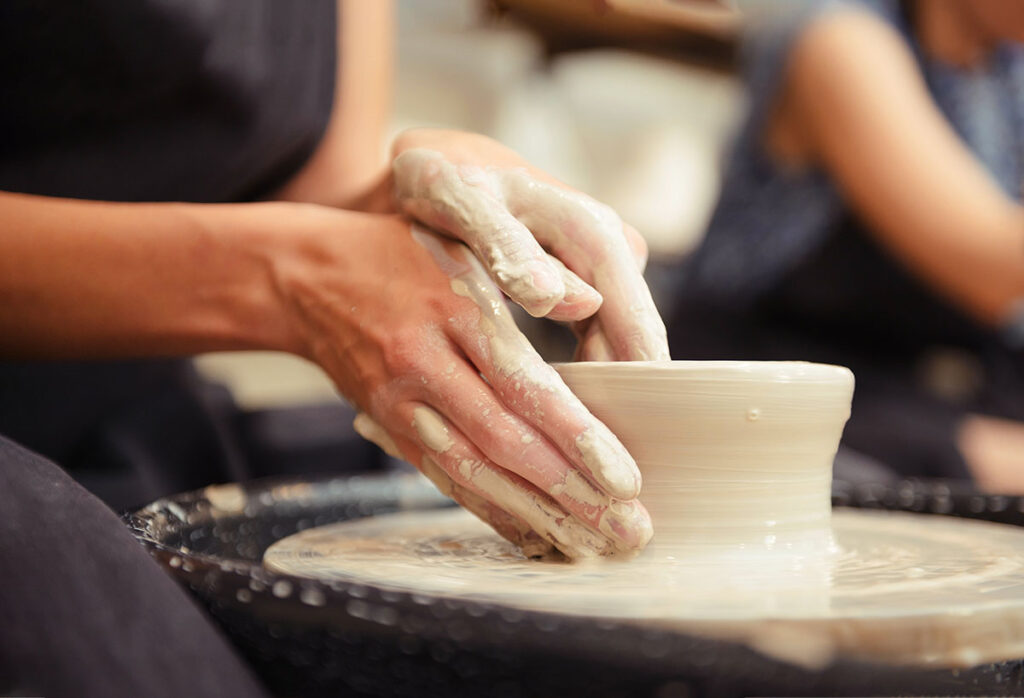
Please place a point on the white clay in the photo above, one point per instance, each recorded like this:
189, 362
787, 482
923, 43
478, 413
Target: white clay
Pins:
431, 429
551, 211
736, 459
607, 461
511, 355
712, 476
505, 215
902, 588
431, 189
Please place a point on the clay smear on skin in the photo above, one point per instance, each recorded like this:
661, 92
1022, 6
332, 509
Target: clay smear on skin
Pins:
432, 189
502, 202
531, 544
431, 429
599, 451
544, 206
554, 524
606, 459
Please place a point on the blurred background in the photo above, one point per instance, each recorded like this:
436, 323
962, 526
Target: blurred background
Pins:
633, 102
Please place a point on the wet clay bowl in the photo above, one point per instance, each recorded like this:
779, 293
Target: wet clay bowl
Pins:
733, 454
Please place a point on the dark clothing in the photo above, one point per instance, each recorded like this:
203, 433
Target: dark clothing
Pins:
141, 100
154, 100
788, 272
130, 431
133, 431
84, 612
920, 364
162, 100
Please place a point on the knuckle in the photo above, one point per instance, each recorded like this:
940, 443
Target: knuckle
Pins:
606, 221
405, 353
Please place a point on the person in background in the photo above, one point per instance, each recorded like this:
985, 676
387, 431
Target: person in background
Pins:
203, 175
871, 216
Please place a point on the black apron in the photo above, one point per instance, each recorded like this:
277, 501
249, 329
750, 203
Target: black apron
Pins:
151, 100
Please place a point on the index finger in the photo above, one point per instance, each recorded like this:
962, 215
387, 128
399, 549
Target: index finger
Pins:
592, 240
467, 206
535, 391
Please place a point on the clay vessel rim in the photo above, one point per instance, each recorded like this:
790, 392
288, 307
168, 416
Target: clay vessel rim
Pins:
712, 370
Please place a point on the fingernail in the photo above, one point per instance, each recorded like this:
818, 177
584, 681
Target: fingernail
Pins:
578, 304
627, 523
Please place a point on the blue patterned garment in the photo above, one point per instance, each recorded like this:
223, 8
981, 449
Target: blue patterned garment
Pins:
769, 219
789, 272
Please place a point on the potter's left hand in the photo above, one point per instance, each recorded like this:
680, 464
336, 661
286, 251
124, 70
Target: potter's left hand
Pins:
554, 251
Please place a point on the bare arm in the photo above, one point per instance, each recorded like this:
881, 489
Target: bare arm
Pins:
93, 279
855, 103
445, 374
349, 165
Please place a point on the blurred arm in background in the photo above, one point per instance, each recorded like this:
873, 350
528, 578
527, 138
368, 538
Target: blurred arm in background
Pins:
855, 104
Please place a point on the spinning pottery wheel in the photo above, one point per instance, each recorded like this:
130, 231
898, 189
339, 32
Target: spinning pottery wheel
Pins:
760, 592
325, 638
942, 591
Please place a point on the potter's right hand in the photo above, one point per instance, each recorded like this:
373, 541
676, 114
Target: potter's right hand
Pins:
414, 332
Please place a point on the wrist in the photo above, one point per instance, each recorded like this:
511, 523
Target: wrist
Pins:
242, 248
309, 267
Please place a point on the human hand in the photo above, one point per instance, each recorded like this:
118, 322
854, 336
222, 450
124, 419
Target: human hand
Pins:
415, 333
554, 251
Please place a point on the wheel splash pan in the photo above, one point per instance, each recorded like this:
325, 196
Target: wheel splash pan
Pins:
307, 638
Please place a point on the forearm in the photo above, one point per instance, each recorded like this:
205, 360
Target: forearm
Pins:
857, 101
979, 266
97, 279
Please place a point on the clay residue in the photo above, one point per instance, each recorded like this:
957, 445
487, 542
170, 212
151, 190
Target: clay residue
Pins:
431, 429
602, 454
905, 588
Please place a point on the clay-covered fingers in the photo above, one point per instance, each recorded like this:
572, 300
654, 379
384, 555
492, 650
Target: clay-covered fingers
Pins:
530, 542
533, 390
545, 411
554, 251
468, 393
509, 441
592, 525
575, 519
580, 299
512, 529
466, 203
525, 516
592, 342
592, 241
